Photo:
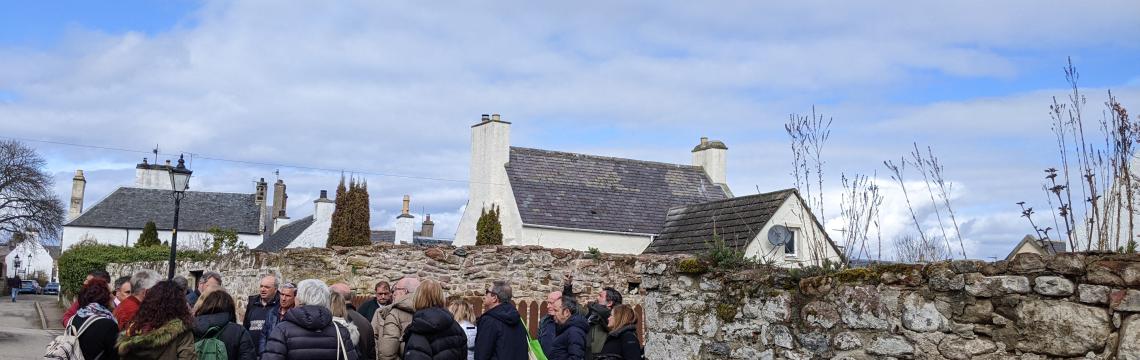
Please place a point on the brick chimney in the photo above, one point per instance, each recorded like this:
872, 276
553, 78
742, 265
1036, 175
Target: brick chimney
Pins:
427, 229
404, 224
78, 186
259, 198
279, 199
711, 155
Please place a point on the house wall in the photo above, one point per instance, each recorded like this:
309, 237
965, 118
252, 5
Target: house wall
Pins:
127, 237
41, 260
808, 235
490, 152
581, 240
316, 235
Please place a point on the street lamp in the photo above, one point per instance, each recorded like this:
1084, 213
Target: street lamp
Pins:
17, 264
179, 182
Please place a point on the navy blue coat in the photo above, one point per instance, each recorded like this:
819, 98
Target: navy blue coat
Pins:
307, 333
434, 335
569, 340
501, 335
254, 319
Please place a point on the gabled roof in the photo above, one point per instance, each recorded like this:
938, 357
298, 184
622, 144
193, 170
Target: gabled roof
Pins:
690, 229
285, 235
1046, 247
389, 237
590, 192
131, 208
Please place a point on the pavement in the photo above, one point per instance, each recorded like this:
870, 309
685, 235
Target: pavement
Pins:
21, 333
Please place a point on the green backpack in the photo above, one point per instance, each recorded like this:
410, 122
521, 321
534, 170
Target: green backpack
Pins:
209, 347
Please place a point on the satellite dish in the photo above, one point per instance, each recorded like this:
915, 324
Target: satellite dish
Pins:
779, 235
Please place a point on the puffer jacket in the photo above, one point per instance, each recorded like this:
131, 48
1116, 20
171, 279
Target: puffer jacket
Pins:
501, 334
569, 342
434, 335
239, 345
389, 324
173, 340
621, 344
308, 332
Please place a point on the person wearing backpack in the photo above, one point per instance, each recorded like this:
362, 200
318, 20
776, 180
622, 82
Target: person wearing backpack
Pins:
217, 334
92, 331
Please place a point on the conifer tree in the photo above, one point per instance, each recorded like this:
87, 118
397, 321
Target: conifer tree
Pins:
488, 230
336, 229
149, 236
360, 232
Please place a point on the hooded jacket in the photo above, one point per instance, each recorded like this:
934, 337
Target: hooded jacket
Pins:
173, 340
501, 334
598, 317
389, 324
569, 341
434, 335
239, 345
308, 332
622, 344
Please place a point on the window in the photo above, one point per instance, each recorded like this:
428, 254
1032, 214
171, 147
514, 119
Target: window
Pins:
790, 245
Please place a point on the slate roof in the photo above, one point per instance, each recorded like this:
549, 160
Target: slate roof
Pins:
591, 192
689, 229
285, 235
131, 208
1045, 247
53, 250
389, 237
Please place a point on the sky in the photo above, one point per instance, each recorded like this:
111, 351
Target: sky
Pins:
387, 91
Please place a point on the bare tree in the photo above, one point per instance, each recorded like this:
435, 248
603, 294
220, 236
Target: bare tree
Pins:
26, 198
808, 135
910, 250
859, 207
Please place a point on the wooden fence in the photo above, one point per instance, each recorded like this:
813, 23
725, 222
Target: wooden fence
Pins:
531, 312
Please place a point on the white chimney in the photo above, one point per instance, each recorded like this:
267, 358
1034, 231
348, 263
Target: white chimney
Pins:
152, 176
280, 221
711, 155
404, 224
78, 186
323, 207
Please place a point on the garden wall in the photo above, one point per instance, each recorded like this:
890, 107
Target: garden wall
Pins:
1071, 305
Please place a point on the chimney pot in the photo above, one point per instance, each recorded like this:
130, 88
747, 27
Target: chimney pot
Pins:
494, 117
486, 117
167, 162
324, 194
704, 140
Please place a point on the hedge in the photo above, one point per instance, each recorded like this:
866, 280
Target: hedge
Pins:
76, 262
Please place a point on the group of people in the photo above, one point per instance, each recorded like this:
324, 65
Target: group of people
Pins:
144, 316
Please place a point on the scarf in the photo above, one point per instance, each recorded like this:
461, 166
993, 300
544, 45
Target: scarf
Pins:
95, 309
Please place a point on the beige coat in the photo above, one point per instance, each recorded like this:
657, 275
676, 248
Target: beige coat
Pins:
389, 324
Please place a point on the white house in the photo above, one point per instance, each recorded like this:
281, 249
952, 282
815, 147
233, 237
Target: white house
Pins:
577, 201
775, 226
313, 230
34, 259
119, 218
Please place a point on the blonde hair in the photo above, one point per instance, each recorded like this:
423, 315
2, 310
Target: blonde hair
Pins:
210, 289
623, 316
461, 310
336, 305
429, 294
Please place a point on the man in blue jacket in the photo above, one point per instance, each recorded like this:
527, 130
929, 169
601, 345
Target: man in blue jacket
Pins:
501, 333
567, 341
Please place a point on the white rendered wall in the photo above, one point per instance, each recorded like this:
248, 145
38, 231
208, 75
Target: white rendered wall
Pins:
581, 240
490, 152
152, 179
404, 230
41, 260
793, 215
127, 237
316, 235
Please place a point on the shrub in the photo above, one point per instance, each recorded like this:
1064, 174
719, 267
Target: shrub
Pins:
488, 230
148, 237
594, 252
692, 266
76, 262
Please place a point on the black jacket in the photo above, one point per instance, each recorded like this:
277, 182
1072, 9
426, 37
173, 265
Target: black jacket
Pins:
255, 313
622, 344
239, 345
100, 337
307, 333
501, 335
434, 335
569, 341
368, 308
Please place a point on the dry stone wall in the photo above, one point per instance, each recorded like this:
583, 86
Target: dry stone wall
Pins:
1067, 306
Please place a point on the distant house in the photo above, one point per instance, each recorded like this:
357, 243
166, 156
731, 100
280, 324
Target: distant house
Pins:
313, 230
775, 226
1030, 244
119, 218
36, 260
577, 201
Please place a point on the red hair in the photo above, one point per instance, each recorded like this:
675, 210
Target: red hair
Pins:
95, 291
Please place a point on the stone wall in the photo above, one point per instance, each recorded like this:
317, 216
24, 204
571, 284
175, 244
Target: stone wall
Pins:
1071, 305
1068, 306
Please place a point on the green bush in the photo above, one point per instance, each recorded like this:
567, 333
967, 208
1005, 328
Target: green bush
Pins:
692, 266
75, 263
148, 237
488, 230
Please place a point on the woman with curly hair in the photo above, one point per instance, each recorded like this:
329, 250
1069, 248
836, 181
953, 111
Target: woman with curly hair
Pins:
97, 339
162, 329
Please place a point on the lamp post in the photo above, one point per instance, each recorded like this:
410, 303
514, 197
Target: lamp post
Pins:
179, 182
17, 269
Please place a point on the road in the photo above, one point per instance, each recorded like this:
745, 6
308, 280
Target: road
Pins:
21, 335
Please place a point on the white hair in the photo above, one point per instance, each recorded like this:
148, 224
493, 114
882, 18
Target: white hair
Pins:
312, 292
144, 280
